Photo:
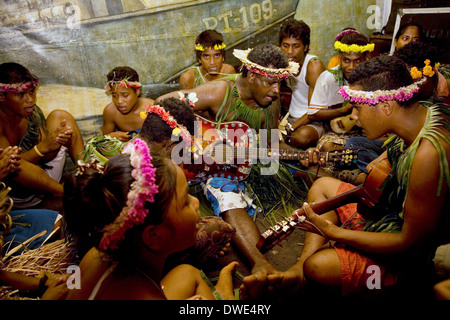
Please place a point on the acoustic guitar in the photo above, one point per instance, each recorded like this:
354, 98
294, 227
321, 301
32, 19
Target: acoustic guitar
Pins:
366, 195
229, 150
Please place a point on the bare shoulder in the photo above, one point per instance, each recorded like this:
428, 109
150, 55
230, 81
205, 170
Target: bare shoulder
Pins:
228, 68
187, 79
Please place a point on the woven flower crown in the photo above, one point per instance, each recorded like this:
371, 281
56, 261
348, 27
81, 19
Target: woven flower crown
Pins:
124, 83
143, 189
375, 97
18, 87
264, 71
177, 129
217, 46
427, 70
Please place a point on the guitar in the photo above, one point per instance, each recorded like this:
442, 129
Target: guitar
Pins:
229, 151
342, 124
367, 195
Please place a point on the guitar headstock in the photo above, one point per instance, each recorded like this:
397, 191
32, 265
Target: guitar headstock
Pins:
343, 158
277, 233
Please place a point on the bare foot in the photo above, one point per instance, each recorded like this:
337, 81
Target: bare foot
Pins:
256, 285
225, 283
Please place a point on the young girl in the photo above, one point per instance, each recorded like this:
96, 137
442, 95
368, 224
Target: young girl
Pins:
134, 213
121, 117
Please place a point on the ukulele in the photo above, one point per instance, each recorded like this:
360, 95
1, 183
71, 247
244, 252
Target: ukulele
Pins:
229, 151
366, 195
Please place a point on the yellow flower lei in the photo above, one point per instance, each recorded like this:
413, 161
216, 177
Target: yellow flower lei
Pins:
354, 47
218, 46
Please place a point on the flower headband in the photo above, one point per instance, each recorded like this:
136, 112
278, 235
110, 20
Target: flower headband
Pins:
18, 87
428, 70
375, 97
143, 189
264, 71
353, 47
177, 129
217, 46
190, 98
124, 83
345, 32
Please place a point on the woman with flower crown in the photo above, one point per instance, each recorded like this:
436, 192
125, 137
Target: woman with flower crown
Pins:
372, 253
135, 211
45, 141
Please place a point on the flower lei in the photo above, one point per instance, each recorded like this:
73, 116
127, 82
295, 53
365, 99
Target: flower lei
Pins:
428, 70
374, 97
18, 87
177, 129
353, 48
217, 46
343, 33
143, 189
264, 71
124, 83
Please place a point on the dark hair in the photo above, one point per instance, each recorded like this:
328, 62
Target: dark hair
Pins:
345, 29
120, 73
382, 73
297, 29
267, 55
415, 53
354, 38
93, 200
410, 24
209, 38
154, 129
11, 72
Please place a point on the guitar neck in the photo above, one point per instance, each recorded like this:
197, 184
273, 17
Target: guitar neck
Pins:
281, 230
264, 153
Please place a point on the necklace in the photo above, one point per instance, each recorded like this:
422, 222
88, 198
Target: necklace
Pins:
160, 289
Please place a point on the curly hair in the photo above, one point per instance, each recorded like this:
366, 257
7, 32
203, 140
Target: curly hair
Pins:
354, 38
297, 29
155, 129
381, 73
267, 55
415, 53
209, 38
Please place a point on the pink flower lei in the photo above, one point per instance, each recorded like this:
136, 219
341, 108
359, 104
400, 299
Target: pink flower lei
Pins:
177, 129
143, 189
375, 97
345, 32
18, 87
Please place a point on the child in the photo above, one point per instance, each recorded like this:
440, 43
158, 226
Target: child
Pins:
134, 225
121, 117
210, 51
43, 140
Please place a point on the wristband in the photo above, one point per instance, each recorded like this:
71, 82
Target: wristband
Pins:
37, 151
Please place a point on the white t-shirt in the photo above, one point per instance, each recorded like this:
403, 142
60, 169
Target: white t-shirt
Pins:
299, 87
325, 92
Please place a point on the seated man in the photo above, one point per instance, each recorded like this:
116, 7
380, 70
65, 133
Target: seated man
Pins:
121, 117
210, 53
294, 39
326, 103
43, 141
250, 97
393, 243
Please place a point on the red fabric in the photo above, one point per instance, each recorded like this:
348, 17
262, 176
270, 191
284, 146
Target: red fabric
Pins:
354, 266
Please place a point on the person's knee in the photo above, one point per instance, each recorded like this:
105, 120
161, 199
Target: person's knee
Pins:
323, 268
320, 189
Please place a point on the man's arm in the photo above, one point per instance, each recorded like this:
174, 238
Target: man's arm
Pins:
108, 119
315, 68
210, 95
